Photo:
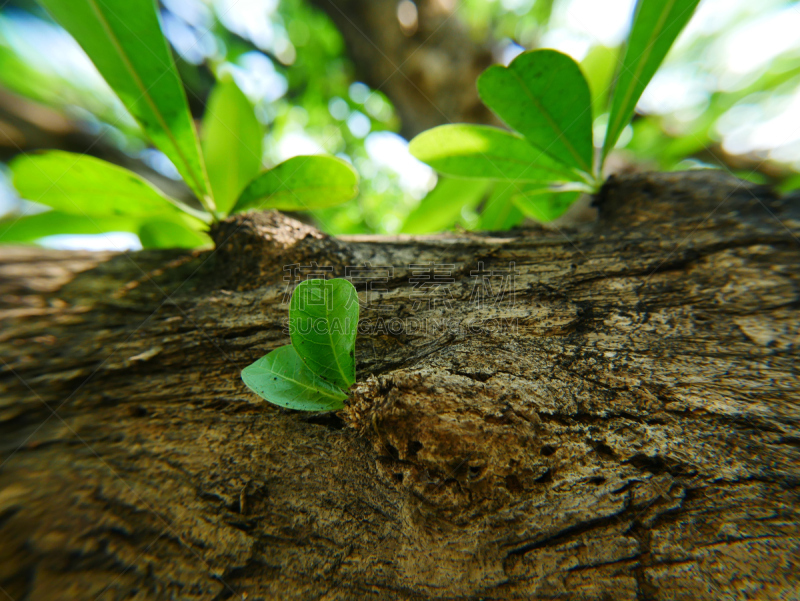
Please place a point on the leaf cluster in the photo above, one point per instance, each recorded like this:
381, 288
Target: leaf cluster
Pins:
223, 169
549, 158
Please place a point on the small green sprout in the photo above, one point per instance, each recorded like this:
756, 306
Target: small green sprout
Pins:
315, 371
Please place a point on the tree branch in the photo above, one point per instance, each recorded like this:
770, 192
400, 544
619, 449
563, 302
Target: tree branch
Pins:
624, 424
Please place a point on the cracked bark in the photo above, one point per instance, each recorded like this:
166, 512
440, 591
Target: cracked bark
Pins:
636, 436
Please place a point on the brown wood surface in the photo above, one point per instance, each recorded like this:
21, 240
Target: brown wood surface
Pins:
634, 435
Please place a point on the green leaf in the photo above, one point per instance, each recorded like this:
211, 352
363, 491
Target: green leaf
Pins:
179, 231
232, 143
500, 212
656, 24
479, 151
544, 96
125, 43
283, 379
84, 185
545, 205
32, 227
300, 184
441, 207
162, 233
790, 184
598, 67
323, 318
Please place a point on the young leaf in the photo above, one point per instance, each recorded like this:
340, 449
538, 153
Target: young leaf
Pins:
125, 43
479, 151
323, 318
283, 379
500, 212
301, 183
441, 207
545, 205
84, 185
232, 140
544, 96
656, 24
32, 227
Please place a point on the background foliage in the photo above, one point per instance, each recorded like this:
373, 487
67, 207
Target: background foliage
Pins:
728, 95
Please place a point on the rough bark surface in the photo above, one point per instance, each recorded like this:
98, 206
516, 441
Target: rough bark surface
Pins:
637, 436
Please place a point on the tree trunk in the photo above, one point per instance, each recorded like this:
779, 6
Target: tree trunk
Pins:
622, 423
428, 72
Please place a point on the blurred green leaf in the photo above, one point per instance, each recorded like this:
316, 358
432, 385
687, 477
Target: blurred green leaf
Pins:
28, 228
22, 78
162, 233
544, 96
545, 205
125, 43
791, 184
500, 212
83, 185
301, 183
656, 24
232, 140
180, 231
323, 319
479, 151
283, 379
441, 208
598, 67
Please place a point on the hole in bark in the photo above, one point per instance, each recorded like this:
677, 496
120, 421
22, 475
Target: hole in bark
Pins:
398, 477
654, 465
138, 411
391, 451
604, 451
8, 514
790, 440
512, 484
328, 420
547, 450
475, 471
693, 494
414, 447
597, 480
546, 477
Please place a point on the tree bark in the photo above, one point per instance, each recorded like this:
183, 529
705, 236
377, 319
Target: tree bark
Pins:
622, 424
